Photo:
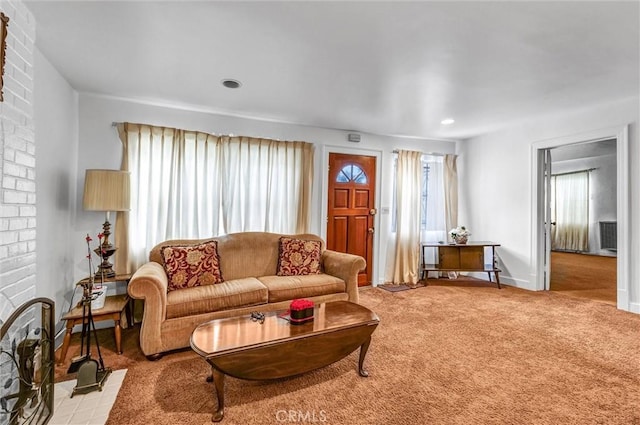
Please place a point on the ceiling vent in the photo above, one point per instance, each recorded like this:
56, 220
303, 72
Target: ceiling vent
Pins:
231, 84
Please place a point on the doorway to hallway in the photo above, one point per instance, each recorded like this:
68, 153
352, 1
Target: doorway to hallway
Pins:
541, 214
582, 214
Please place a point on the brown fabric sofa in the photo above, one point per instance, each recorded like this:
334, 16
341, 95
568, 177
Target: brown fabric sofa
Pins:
248, 262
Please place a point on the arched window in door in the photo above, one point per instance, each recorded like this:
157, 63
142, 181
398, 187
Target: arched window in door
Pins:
351, 173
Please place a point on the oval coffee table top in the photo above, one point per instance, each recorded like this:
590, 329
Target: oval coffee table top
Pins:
222, 336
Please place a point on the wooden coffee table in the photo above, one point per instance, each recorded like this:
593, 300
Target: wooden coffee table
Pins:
247, 349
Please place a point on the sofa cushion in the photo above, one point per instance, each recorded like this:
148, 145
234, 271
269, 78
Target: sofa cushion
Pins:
189, 266
209, 298
283, 288
299, 257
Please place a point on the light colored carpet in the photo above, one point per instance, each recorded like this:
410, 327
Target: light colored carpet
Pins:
454, 352
585, 276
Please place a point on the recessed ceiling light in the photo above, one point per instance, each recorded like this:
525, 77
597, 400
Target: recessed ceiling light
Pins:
231, 84
447, 121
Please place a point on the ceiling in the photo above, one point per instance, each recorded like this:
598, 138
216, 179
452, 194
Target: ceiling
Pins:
389, 68
584, 150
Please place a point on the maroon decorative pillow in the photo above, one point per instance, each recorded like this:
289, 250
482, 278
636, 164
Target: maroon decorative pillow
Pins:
298, 257
192, 265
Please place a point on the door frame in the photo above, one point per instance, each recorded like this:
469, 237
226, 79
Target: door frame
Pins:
326, 150
621, 134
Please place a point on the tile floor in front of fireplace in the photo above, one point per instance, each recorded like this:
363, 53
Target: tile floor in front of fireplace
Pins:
85, 409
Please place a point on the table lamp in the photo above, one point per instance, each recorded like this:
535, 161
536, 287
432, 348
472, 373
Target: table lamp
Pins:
106, 190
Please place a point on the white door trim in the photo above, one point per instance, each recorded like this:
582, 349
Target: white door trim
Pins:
621, 134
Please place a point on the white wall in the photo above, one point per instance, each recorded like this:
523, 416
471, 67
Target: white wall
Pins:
496, 185
99, 147
56, 132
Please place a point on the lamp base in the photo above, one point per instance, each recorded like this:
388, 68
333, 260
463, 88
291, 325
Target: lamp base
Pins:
107, 272
105, 268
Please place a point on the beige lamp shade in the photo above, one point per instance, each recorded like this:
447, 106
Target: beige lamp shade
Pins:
106, 190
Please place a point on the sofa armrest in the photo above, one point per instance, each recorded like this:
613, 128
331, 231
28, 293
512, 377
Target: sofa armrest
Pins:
346, 267
150, 283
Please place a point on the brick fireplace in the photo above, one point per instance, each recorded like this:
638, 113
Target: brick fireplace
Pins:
17, 163
17, 177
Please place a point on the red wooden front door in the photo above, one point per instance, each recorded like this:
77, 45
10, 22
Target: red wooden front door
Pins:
350, 212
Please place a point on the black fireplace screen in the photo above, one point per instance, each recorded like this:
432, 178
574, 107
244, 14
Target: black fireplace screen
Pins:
27, 364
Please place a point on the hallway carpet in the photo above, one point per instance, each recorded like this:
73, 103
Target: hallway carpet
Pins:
584, 276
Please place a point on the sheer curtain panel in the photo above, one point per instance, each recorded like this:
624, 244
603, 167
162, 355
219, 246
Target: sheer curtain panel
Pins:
434, 227
175, 186
408, 216
570, 211
450, 192
263, 179
188, 184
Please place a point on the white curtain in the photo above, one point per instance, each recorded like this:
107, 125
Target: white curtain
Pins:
570, 211
450, 192
433, 215
187, 184
263, 179
408, 217
434, 222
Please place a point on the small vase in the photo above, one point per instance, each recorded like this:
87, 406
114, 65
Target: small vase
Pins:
461, 240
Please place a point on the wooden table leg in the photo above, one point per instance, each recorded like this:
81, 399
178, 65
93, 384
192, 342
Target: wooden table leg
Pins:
363, 352
66, 342
218, 381
118, 332
128, 310
497, 280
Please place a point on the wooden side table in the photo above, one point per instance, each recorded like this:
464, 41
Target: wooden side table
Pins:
123, 278
467, 257
113, 307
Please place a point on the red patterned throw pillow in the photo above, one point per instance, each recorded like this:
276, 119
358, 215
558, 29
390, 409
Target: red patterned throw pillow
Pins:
298, 257
192, 265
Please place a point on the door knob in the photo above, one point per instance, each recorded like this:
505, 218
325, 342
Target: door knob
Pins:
371, 230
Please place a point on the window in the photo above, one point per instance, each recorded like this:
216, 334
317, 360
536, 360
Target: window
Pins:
425, 195
351, 173
570, 211
193, 185
432, 222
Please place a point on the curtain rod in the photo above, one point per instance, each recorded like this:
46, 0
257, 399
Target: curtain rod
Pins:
574, 172
423, 153
115, 124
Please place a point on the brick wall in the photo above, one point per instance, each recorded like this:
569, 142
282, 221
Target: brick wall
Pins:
17, 183
17, 162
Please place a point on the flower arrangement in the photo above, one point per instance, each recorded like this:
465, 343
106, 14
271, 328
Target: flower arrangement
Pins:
97, 293
300, 304
460, 234
300, 311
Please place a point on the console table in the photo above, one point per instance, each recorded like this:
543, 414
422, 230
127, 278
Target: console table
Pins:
469, 257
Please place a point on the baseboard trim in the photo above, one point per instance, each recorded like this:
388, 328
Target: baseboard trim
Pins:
507, 280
